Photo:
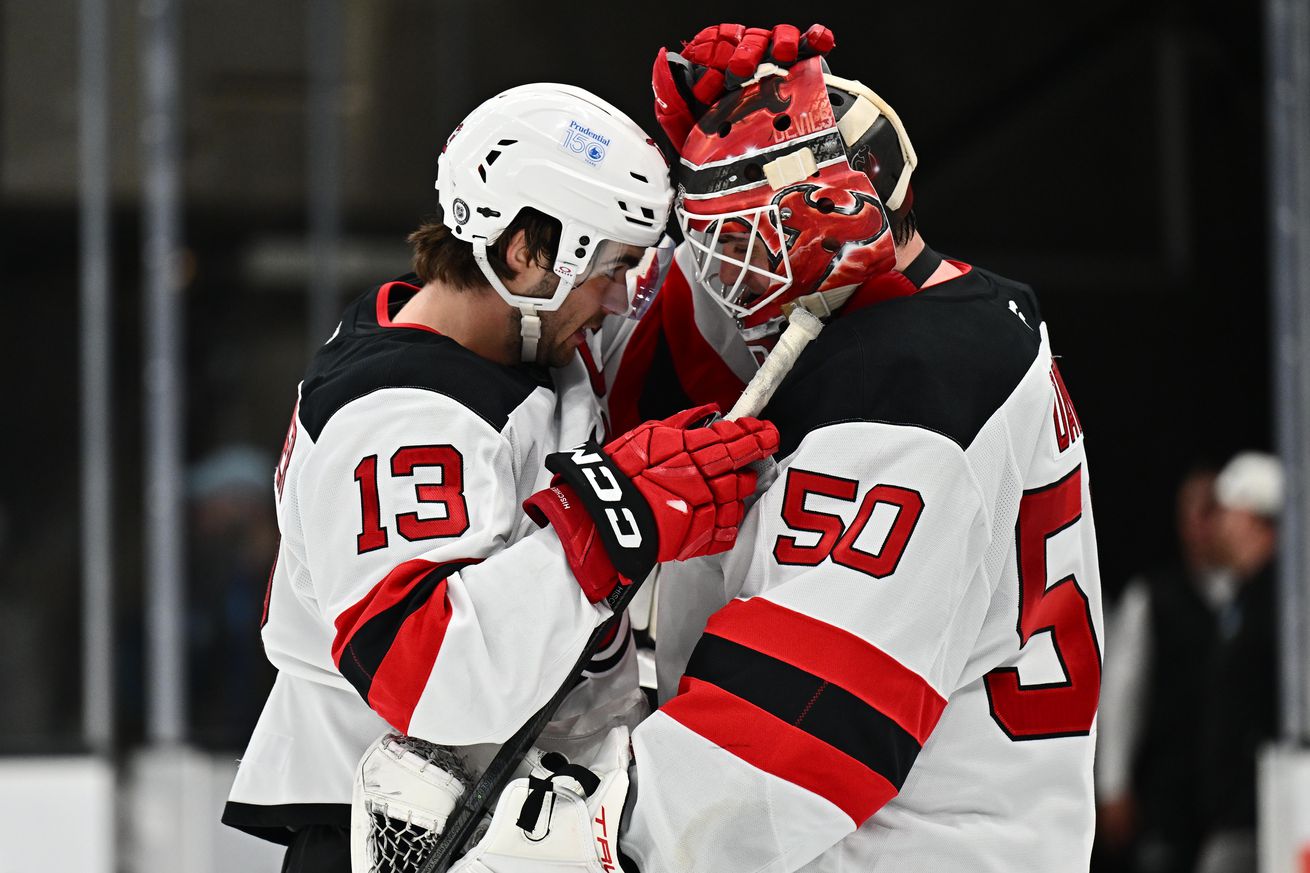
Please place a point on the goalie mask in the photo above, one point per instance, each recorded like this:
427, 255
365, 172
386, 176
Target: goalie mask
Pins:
783, 194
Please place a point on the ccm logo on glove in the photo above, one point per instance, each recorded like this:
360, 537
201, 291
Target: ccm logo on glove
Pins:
664, 491
592, 464
607, 493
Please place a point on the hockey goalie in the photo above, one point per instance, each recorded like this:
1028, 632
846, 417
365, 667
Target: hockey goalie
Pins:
898, 665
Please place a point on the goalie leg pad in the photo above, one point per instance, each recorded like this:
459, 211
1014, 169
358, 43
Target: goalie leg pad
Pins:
405, 789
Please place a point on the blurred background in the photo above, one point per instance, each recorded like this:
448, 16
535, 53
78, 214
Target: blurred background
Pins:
261, 164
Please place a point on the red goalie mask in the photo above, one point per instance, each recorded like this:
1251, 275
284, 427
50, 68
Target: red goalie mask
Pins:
769, 202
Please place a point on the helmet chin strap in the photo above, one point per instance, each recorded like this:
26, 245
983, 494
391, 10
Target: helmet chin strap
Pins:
530, 331
530, 323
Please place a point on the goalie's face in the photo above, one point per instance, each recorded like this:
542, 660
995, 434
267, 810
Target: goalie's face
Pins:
745, 264
740, 255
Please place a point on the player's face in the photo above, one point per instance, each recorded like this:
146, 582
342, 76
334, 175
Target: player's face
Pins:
736, 246
604, 292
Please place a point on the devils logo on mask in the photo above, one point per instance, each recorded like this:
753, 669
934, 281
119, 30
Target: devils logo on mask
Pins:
823, 225
759, 105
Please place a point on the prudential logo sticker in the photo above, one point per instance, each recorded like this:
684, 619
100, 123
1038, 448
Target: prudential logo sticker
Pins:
585, 143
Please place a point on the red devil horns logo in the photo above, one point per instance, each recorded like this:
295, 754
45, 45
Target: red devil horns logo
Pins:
740, 105
848, 216
821, 224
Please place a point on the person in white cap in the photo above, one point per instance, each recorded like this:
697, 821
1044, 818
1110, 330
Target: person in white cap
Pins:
1250, 493
1240, 711
1147, 817
1188, 687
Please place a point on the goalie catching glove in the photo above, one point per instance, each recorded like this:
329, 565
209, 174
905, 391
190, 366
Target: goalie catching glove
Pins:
664, 491
405, 788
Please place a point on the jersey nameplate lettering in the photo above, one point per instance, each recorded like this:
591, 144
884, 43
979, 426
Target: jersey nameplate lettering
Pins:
1067, 427
288, 446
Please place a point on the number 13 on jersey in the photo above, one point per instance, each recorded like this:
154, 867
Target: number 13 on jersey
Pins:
447, 495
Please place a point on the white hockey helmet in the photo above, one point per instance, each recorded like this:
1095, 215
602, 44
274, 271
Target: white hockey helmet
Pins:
566, 153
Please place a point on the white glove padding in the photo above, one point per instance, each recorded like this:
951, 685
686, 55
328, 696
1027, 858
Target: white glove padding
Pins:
563, 817
405, 789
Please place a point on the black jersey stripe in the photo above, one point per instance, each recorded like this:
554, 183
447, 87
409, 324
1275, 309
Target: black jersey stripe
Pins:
826, 711
277, 823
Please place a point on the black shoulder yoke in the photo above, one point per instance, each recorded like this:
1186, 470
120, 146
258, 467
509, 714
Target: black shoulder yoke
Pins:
366, 356
945, 358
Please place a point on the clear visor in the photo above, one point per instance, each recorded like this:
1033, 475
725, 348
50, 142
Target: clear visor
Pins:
740, 256
634, 274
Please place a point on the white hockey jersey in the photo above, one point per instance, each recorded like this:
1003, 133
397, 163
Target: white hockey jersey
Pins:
410, 588
901, 668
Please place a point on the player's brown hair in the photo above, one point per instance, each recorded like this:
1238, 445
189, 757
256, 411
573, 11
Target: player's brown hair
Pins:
904, 224
441, 256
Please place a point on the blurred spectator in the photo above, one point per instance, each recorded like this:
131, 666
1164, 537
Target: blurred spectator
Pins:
1188, 687
232, 545
1146, 737
1241, 705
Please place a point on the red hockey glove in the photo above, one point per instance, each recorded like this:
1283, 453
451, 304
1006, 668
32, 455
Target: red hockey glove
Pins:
663, 491
721, 57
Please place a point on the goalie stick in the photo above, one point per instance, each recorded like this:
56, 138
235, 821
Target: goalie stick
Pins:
803, 326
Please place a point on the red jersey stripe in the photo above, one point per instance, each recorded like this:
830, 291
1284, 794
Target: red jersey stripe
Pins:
704, 376
780, 749
634, 367
835, 655
403, 674
386, 644
393, 588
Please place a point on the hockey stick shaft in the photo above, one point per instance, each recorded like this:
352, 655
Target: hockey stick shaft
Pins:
464, 820
803, 327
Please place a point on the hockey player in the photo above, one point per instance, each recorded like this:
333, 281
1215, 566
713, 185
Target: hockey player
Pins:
411, 590
901, 667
